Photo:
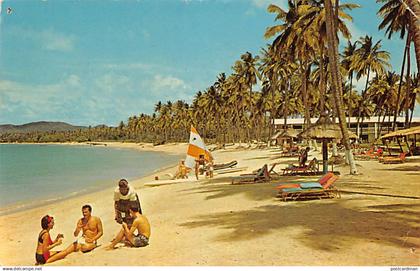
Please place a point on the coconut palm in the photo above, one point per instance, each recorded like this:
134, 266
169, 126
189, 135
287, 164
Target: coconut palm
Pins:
368, 58
289, 40
336, 80
414, 9
397, 18
346, 63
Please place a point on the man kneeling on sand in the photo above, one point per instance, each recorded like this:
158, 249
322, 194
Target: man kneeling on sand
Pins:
141, 224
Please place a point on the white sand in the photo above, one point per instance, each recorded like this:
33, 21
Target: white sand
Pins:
214, 223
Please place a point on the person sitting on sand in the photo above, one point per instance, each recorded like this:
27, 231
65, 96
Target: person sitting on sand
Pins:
92, 231
140, 224
91, 226
182, 170
45, 244
124, 197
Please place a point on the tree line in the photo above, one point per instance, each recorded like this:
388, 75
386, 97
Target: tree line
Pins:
292, 76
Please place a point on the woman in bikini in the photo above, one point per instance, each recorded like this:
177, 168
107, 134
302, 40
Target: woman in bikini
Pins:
43, 253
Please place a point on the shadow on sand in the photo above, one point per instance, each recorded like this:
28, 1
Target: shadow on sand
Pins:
327, 224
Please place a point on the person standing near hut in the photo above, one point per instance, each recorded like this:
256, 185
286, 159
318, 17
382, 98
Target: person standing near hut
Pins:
303, 157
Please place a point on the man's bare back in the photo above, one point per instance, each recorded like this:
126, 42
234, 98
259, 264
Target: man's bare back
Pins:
142, 225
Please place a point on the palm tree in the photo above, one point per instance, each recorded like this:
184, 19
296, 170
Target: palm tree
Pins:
289, 40
250, 74
347, 56
414, 8
397, 18
368, 58
336, 81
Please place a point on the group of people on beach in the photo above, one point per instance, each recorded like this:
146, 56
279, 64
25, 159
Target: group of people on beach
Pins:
135, 228
202, 166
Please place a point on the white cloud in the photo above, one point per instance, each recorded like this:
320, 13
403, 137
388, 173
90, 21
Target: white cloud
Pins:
55, 41
146, 34
160, 82
47, 39
129, 66
110, 83
265, 3
360, 84
33, 100
356, 33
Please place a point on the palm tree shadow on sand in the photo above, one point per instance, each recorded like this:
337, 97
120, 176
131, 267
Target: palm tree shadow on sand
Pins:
327, 224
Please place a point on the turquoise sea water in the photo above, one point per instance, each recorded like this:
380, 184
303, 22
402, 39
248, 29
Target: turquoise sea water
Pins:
33, 173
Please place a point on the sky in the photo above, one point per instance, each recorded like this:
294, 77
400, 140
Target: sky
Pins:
99, 62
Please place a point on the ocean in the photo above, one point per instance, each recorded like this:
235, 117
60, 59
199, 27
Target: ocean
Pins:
32, 174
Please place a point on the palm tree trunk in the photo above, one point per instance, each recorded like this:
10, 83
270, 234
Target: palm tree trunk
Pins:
322, 77
351, 88
337, 82
414, 6
408, 89
361, 101
286, 103
307, 115
396, 112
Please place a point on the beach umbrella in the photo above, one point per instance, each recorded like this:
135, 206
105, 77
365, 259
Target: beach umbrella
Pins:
325, 130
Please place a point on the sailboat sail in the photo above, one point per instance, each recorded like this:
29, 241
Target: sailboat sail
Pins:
196, 147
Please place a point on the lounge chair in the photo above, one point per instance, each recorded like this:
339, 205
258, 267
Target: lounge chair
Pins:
323, 188
370, 154
311, 168
394, 160
262, 175
271, 171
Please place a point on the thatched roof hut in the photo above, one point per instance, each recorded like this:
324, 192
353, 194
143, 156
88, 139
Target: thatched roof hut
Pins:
324, 128
404, 132
285, 134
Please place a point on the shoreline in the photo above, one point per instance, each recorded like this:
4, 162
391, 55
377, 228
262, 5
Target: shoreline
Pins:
214, 223
25, 205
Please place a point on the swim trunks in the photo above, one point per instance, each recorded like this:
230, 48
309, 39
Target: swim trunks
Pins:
140, 240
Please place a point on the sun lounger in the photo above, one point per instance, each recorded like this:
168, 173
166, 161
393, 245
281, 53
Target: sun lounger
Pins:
311, 168
271, 171
261, 176
323, 188
394, 160
370, 154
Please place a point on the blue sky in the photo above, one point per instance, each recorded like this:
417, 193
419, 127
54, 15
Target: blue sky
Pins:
98, 62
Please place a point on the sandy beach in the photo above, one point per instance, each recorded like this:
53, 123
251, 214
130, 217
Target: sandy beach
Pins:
213, 223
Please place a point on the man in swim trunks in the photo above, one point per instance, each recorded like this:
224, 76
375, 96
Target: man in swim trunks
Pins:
91, 226
140, 224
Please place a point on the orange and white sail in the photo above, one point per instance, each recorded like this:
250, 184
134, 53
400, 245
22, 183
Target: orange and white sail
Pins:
196, 147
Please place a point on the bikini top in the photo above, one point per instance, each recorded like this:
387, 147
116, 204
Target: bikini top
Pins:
42, 240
